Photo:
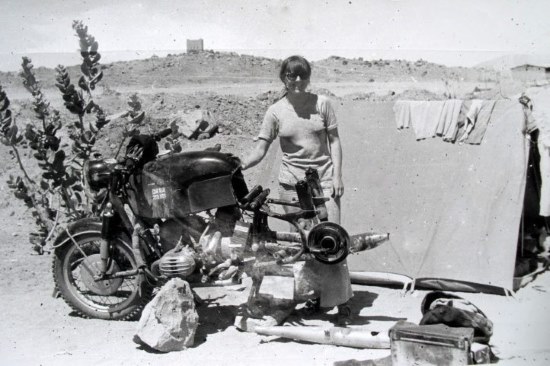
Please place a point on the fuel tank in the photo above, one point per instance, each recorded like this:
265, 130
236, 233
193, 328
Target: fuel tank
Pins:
177, 185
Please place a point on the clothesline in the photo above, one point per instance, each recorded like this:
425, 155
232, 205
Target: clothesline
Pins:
455, 120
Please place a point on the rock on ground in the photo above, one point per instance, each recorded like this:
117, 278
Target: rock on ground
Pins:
168, 323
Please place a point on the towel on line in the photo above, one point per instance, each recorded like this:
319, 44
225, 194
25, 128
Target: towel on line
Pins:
402, 111
448, 125
477, 120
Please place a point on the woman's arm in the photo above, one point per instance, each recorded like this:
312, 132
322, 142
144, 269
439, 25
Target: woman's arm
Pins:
336, 156
256, 155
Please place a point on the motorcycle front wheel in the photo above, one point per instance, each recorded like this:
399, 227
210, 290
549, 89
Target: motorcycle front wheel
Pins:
75, 266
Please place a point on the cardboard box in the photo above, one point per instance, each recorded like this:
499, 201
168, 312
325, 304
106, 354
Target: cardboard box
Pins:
436, 344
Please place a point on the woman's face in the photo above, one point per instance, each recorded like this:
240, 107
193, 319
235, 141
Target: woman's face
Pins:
296, 83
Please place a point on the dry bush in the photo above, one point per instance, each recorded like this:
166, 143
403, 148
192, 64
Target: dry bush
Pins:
57, 196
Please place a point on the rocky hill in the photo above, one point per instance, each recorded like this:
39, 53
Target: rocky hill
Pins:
224, 67
160, 83
337, 68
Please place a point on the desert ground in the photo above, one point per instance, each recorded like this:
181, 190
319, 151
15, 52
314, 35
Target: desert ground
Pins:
40, 329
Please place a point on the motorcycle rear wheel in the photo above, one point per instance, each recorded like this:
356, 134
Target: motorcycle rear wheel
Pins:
115, 299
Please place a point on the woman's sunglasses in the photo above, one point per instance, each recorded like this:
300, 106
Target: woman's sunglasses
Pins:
290, 76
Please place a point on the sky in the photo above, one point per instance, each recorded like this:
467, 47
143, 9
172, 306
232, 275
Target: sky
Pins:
459, 32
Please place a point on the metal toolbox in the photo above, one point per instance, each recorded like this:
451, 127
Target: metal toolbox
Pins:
436, 344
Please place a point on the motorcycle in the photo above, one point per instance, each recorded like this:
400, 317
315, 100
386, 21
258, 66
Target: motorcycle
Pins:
188, 215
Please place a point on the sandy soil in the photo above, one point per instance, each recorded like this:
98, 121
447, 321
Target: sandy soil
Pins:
41, 330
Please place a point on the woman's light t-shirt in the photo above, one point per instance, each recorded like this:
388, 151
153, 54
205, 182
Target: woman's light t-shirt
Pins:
303, 137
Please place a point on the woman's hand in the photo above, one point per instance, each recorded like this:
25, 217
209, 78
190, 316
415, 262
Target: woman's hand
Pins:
337, 187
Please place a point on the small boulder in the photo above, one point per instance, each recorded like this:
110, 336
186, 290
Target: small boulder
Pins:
191, 123
168, 323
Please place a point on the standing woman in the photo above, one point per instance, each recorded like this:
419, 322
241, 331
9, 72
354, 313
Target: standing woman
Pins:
306, 126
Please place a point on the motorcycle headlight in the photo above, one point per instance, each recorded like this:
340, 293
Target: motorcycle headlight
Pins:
97, 173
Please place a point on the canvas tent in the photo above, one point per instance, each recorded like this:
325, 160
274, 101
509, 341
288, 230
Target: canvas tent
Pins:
453, 211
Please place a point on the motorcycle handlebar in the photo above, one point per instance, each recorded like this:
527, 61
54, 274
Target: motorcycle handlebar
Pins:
259, 200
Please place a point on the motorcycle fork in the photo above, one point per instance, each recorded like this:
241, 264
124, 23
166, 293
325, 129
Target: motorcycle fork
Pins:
107, 219
108, 225
108, 229
150, 249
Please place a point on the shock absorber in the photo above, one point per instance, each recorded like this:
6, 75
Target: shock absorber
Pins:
106, 225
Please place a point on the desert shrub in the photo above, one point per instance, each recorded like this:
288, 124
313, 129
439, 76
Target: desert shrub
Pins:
420, 62
24, 187
57, 196
135, 116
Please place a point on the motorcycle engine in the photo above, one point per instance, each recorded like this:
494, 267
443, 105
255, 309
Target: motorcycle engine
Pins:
178, 262
176, 238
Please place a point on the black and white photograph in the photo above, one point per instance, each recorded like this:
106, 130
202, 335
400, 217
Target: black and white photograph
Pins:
275, 182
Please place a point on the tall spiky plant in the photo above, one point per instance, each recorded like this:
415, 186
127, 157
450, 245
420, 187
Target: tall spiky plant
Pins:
59, 179
57, 195
24, 187
80, 101
60, 190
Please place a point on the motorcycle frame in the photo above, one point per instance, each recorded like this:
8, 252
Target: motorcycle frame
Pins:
114, 218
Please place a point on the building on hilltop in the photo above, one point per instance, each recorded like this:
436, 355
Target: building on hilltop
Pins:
530, 73
195, 45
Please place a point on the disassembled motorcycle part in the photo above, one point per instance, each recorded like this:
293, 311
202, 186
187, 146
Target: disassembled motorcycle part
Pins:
178, 262
328, 242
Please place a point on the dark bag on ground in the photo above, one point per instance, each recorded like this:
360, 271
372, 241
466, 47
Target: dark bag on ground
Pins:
444, 308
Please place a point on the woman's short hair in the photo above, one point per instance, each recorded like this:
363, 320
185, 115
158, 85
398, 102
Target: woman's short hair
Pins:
296, 65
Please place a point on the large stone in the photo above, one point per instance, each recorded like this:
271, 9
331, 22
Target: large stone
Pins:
191, 123
168, 323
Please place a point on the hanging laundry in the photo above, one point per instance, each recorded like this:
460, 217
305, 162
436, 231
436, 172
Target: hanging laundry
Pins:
425, 117
448, 125
482, 119
402, 111
460, 127
476, 120
470, 119
452, 119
